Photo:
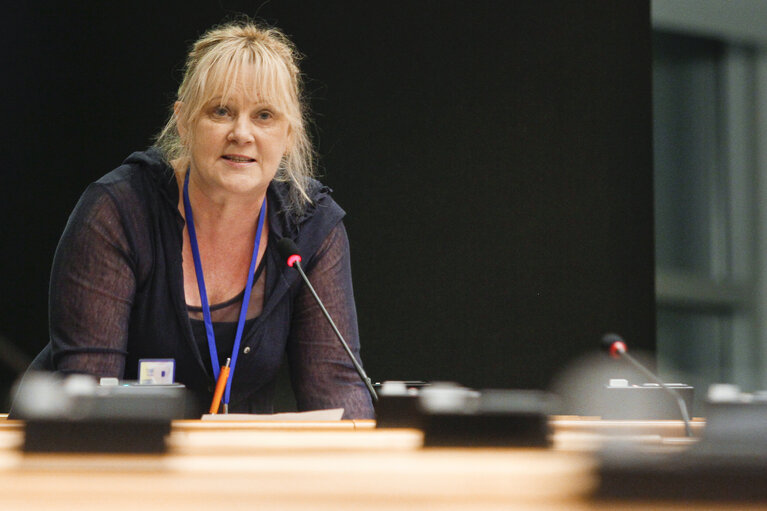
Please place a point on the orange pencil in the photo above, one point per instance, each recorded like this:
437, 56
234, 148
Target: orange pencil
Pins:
223, 376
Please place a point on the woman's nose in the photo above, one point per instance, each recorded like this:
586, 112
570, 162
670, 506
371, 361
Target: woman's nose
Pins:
242, 131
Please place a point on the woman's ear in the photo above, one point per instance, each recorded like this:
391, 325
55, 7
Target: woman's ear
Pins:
180, 125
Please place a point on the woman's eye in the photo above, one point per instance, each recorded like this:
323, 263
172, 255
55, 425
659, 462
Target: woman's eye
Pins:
265, 115
220, 111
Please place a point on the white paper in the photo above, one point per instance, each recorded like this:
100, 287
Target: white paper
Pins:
333, 414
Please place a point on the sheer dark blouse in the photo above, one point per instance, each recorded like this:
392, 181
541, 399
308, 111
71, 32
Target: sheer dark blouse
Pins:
117, 295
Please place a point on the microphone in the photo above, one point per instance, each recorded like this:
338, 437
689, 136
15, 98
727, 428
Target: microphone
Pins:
616, 347
289, 253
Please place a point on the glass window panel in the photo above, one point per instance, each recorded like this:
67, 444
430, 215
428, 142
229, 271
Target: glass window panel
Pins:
686, 89
692, 349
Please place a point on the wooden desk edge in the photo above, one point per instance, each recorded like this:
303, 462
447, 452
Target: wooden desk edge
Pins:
196, 424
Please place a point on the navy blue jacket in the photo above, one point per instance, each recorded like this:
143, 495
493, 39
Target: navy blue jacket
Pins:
117, 295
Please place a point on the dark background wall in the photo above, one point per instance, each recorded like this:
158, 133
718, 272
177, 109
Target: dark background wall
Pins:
494, 159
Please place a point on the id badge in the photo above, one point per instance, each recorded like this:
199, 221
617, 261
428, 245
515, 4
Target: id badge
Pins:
156, 371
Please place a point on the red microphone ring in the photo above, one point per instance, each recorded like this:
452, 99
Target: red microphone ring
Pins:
293, 259
617, 348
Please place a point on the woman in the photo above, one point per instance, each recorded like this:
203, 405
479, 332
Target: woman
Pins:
172, 255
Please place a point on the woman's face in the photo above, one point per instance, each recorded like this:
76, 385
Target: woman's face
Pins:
236, 146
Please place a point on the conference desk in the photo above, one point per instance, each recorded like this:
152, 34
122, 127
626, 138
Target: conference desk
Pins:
326, 465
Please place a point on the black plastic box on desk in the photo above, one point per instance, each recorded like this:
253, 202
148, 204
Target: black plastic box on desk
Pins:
75, 414
452, 415
397, 405
729, 464
487, 418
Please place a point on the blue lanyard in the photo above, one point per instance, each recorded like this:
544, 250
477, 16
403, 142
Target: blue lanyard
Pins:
204, 294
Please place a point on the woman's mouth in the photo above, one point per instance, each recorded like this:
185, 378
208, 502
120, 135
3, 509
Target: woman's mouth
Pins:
238, 158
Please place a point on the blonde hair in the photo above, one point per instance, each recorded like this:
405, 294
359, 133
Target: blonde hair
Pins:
212, 67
